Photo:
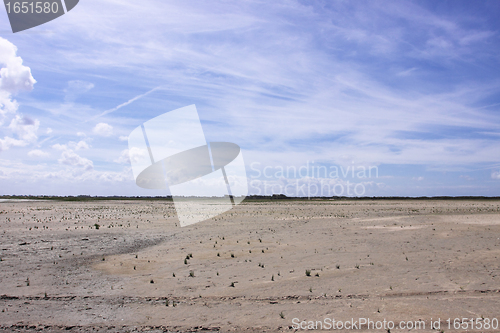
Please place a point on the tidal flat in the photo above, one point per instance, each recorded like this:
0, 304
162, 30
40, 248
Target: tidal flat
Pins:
126, 265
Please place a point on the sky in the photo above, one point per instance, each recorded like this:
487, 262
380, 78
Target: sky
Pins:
407, 90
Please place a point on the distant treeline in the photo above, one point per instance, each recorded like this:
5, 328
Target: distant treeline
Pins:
284, 197
83, 197
248, 198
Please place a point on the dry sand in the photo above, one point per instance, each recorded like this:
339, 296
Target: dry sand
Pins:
381, 259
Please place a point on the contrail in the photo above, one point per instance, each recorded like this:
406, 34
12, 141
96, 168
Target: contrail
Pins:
125, 104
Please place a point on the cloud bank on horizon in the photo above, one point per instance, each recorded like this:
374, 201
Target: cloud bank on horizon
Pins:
411, 89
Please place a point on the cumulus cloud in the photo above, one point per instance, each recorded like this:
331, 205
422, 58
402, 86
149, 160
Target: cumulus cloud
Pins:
7, 105
8, 142
14, 77
25, 129
69, 157
80, 145
58, 146
123, 158
135, 154
37, 153
103, 129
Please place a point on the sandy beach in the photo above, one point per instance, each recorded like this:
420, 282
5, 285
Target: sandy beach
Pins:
120, 266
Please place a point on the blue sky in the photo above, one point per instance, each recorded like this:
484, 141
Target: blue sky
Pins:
411, 88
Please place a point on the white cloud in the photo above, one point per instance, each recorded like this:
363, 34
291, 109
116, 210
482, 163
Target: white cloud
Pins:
7, 105
116, 176
14, 77
103, 129
495, 175
49, 130
8, 142
123, 138
81, 134
37, 153
124, 157
80, 145
25, 128
69, 157
58, 146
136, 154
40, 175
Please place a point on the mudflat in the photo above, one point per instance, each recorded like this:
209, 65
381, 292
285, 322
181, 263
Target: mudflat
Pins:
265, 266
